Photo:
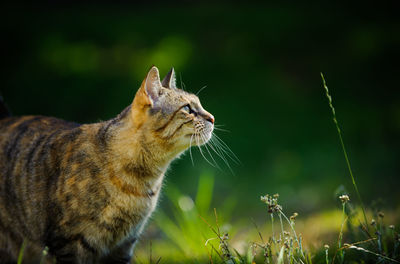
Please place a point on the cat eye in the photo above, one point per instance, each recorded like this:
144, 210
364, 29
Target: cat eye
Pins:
188, 109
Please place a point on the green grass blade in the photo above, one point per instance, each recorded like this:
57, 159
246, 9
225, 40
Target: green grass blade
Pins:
280, 256
344, 149
21, 252
204, 192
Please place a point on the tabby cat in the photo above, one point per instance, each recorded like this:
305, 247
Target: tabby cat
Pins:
86, 191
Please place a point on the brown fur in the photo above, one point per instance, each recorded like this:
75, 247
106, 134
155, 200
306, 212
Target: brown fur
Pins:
86, 191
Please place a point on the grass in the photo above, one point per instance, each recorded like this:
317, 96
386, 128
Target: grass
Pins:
279, 240
344, 148
21, 252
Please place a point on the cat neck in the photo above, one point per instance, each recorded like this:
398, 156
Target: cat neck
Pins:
139, 154
134, 149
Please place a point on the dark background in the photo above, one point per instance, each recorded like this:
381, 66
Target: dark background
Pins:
261, 63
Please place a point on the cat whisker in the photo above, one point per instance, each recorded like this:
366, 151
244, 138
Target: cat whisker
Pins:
201, 89
190, 149
183, 86
220, 153
217, 150
201, 152
205, 145
220, 148
220, 129
226, 149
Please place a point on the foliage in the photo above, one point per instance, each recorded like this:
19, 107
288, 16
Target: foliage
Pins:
201, 240
183, 225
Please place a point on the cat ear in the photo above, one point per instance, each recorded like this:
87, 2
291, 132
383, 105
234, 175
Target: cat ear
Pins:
169, 80
152, 85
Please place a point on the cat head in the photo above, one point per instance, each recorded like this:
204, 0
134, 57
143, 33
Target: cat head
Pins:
170, 116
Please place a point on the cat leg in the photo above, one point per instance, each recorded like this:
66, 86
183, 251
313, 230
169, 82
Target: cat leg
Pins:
122, 254
69, 256
74, 252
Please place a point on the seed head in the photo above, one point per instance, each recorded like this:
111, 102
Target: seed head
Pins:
272, 203
225, 237
293, 217
286, 244
326, 247
45, 251
264, 198
381, 214
344, 198
391, 227
373, 222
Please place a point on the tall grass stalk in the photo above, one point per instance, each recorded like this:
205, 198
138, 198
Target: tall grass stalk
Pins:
280, 256
373, 253
21, 252
280, 219
326, 254
344, 150
294, 233
274, 240
272, 227
45, 252
344, 199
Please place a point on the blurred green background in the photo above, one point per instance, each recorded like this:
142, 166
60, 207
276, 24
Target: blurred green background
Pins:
261, 64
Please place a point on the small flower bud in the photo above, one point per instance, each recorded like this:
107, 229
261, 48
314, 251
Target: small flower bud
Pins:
373, 222
293, 217
381, 214
286, 244
344, 198
225, 237
326, 247
391, 227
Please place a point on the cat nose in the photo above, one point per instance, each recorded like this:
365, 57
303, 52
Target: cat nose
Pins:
210, 118
207, 116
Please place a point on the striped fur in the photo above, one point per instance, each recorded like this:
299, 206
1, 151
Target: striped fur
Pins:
86, 191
